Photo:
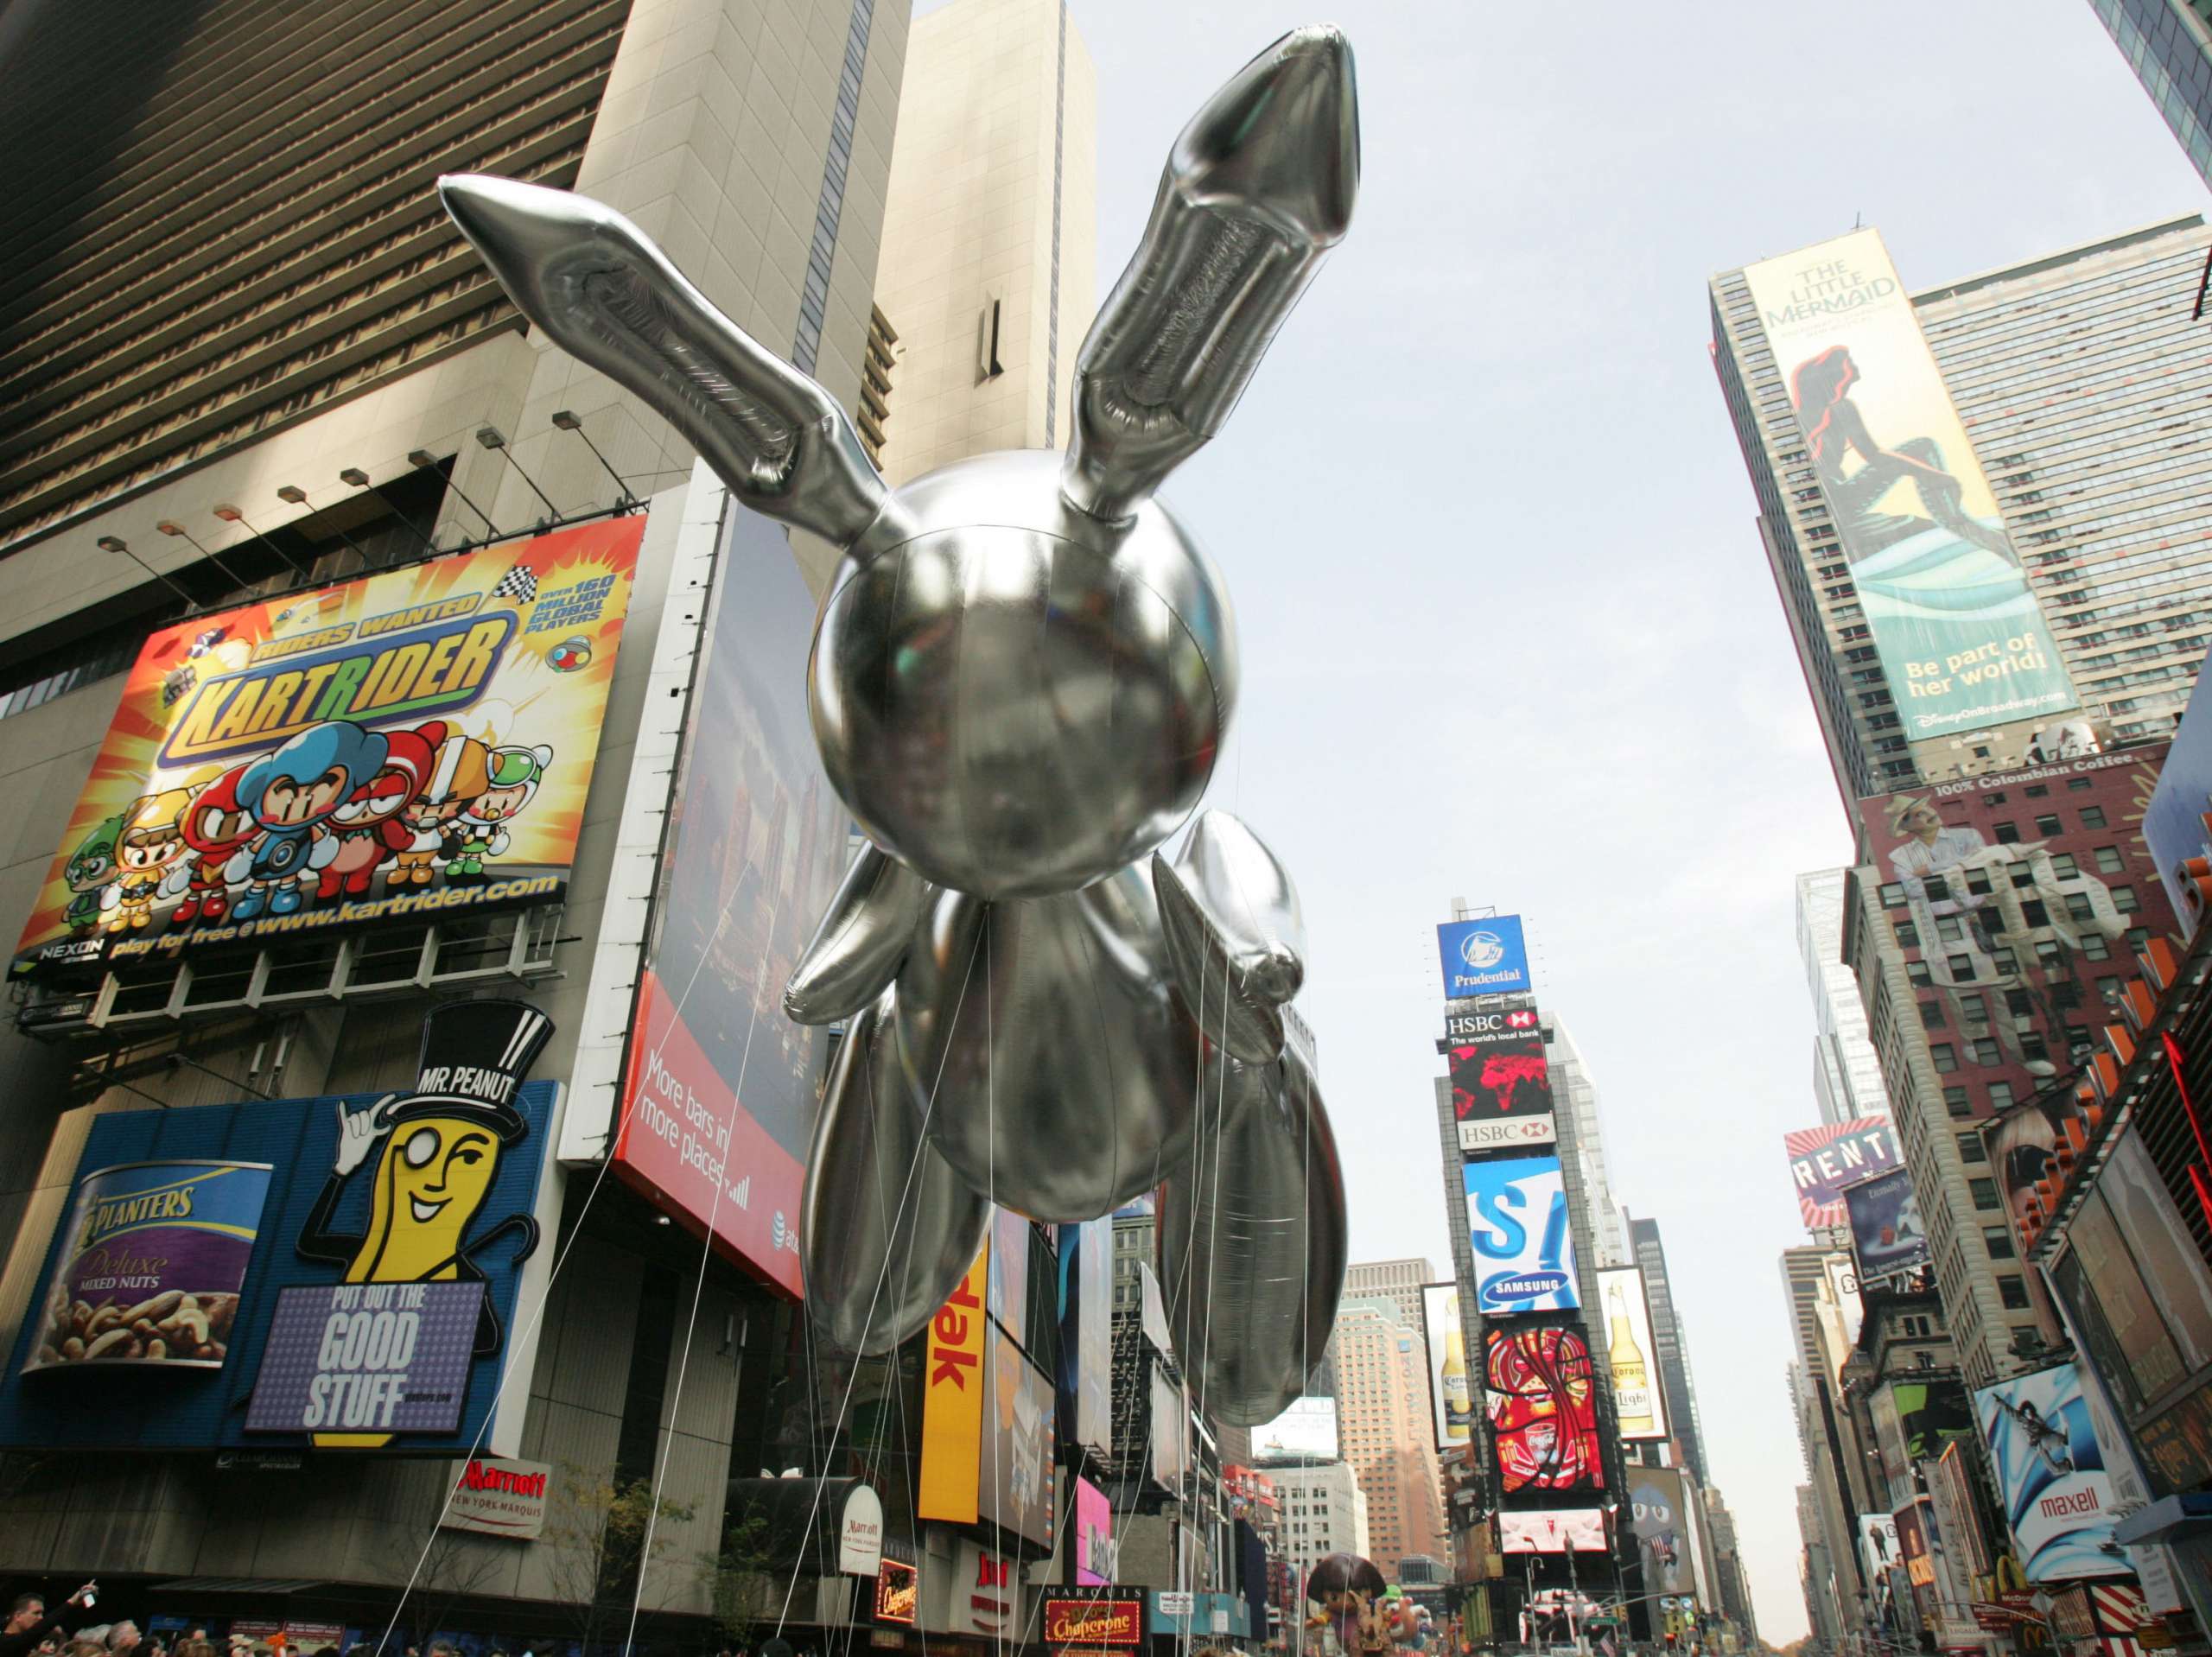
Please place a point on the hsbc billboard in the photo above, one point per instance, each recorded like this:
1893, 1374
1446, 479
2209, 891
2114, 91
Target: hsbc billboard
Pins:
1499, 1024
1524, 1133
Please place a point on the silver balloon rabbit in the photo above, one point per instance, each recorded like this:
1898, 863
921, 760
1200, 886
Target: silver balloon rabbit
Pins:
1021, 677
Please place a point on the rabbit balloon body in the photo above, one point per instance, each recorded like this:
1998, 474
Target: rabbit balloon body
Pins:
1023, 672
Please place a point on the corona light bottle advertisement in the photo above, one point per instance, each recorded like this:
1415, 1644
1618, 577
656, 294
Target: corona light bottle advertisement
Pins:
416, 740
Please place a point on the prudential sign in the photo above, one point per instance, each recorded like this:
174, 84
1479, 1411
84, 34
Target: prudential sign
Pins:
1483, 957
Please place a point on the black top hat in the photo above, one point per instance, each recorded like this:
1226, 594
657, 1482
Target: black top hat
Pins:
475, 1054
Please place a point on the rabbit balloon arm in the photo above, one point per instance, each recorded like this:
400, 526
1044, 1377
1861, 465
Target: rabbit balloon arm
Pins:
1259, 186
599, 286
1234, 935
856, 952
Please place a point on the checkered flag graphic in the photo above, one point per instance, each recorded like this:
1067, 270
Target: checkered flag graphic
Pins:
519, 584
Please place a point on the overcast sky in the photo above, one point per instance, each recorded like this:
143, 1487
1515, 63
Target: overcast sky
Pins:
1507, 630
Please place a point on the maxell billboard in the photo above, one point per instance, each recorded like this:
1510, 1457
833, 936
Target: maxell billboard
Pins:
1962, 639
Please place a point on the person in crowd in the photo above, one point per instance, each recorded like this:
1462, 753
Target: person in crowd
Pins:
122, 1638
196, 1645
28, 1627
83, 1647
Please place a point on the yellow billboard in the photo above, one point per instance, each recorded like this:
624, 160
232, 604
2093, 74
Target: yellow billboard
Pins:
952, 1402
1962, 639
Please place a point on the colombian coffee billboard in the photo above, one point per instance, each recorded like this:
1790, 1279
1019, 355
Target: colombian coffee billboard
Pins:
1962, 639
382, 1275
719, 1091
408, 744
1887, 1238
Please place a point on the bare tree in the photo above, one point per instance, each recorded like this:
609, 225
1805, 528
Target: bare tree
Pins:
597, 1547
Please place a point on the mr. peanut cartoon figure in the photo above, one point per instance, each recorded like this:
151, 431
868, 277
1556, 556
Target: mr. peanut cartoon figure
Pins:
441, 1145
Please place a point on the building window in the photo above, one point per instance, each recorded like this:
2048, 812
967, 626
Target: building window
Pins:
2109, 860
2125, 900
2000, 1095
2008, 833
1945, 1056
1985, 1194
1907, 935
2050, 826
2035, 911
1957, 1101
1917, 975
1932, 1015
1971, 1148
2012, 1291
1893, 895
2095, 947
2063, 864
1961, 969
2093, 817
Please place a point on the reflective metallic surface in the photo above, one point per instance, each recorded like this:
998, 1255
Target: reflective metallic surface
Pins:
1234, 933
886, 1230
858, 947
1061, 1065
1252, 1242
1022, 677
1258, 188
1021, 700
595, 282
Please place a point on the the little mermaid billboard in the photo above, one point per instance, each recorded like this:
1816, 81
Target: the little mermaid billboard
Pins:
1962, 641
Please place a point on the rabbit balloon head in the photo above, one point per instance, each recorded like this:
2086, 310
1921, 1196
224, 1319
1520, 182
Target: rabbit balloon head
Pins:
1024, 668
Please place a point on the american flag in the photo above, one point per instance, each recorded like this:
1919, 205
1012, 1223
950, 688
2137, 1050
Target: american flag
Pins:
519, 583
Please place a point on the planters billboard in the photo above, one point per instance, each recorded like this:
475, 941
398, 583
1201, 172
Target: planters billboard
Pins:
1517, 1221
1960, 636
719, 1094
408, 743
364, 1302
1483, 957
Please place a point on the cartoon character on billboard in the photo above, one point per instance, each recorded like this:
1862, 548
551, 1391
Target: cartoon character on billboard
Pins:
369, 830
216, 828
1834, 427
513, 776
460, 771
440, 1146
90, 875
291, 795
152, 853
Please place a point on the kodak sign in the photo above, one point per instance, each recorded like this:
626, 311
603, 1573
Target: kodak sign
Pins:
952, 1402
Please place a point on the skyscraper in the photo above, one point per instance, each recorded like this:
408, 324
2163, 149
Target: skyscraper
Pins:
2169, 45
2075, 441
2073, 374
1398, 1281
1382, 1405
1672, 1354
989, 232
1575, 1093
1846, 1070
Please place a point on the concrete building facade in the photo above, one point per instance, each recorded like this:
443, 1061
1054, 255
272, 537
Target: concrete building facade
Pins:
2086, 418
251, 291
990, 239
1383, 1415
1672, 1355
1323, 1510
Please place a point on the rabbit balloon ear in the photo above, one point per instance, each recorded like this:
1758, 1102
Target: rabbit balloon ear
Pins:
599, 286
1257, 189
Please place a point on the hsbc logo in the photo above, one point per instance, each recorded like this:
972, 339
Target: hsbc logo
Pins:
1462, 1028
